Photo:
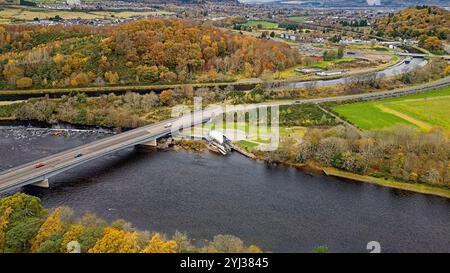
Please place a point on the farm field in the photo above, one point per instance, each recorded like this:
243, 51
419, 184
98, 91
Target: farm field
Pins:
423, 111
264, 24
16, 13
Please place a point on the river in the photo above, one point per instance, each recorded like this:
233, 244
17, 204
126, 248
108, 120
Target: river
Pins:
277, 208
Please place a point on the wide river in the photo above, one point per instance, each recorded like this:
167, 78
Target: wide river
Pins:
279, 209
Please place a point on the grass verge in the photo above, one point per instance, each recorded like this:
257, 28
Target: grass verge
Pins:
413, 187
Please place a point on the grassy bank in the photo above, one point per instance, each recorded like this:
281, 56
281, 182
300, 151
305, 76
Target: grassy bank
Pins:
7, 109
414, 187
112, 88
262, 24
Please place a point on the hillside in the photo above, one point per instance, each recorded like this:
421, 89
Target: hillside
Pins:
427, 24
142, 52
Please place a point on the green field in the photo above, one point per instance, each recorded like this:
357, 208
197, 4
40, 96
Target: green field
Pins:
290, 72
10, 14
422, 111
263, 24
297, 18
247, 144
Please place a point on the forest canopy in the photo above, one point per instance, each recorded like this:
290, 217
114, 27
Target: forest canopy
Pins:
141, 52
430, 25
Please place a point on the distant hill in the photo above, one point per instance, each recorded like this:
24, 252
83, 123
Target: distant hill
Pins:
414, 22
430, 25
165, 51
356, 3
181, 1
143, 1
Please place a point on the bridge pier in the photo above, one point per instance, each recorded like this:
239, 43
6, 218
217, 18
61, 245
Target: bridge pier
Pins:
148, 145
41, 184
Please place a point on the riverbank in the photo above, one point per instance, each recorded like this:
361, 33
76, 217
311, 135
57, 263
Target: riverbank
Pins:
199, 147
414, 187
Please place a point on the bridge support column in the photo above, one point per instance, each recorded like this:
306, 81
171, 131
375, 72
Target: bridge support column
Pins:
148, 145
42, 184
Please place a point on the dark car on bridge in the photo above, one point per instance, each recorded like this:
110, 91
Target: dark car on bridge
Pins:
78, 155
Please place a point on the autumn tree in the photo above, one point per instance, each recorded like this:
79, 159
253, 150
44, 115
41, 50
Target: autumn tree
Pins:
147, 73
52, 226
24, 82
415, 22
79, 79
12, 72
151, 50
23, 222
433, 44
4, 220
112, 77
157, 245
229, 244
72, 234
116, 241
168, 76
166, 97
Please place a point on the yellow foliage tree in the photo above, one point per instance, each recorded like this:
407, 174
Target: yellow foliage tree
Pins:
27, 36
212, 75
53, 225
71, 235
166, 97
112, 77
433, 44
253, 249
447, 70
157, 245
12, 72
4, 220
116, 241
248, 70
80, 79
104, 61
58, 58
24, 82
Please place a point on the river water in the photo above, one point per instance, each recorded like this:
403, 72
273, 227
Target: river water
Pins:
277, 208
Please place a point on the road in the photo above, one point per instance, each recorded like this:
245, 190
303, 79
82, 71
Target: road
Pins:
28, 173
